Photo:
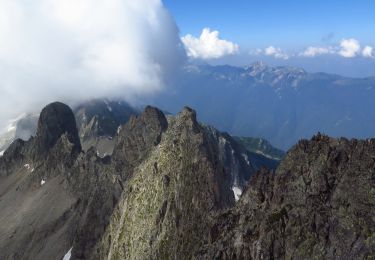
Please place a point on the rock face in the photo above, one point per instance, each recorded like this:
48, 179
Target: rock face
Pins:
173, 194
55, 120
318, 205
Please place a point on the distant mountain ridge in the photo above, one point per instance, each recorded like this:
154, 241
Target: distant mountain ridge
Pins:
261, 146
280, 104
98, 122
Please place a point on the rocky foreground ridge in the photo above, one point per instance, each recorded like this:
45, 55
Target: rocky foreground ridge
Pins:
168, 192
320, 204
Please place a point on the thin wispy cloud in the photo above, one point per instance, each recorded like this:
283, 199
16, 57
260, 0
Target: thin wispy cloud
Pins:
316, 51
209, 45
328, 37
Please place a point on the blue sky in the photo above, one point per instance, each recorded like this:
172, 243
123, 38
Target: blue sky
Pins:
291, 26
285, 23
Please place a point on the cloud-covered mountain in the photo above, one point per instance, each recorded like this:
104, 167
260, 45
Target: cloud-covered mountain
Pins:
281, 104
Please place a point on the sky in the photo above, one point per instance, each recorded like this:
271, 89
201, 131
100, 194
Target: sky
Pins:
309, 34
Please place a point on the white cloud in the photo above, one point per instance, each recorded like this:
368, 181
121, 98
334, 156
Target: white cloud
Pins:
368, 52
208, 45
276, 52
316, 51
350, 48
78, 49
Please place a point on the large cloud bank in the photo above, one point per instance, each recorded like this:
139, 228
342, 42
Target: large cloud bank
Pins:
79, 49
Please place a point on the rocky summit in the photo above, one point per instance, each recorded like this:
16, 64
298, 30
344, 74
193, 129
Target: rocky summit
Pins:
169, 191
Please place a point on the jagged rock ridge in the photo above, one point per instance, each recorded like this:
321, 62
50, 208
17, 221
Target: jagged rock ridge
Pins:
168, 173
318, 205
166, 193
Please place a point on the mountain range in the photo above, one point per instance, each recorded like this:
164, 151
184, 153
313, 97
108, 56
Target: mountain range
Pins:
174, 188
280, 104
99, 120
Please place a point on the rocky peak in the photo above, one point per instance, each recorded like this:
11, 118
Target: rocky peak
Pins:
188, 117
136, 138
148, 125
153, 114
188, 113
55, 120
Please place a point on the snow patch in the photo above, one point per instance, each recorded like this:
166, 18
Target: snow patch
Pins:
246, 158
42, 182
237, 192
267, 155
27, 166
101, 156
2, 153
68, 254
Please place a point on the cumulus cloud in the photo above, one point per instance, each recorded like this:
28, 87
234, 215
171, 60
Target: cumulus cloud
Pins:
368, 52
350, 48
208, 45
316, 51
276, 53
79, 49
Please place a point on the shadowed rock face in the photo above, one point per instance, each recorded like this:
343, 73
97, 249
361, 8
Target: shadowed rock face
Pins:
319, 204
55, 120
38, 209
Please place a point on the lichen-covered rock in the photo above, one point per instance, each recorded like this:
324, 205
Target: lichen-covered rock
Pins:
318, 205
172, 197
